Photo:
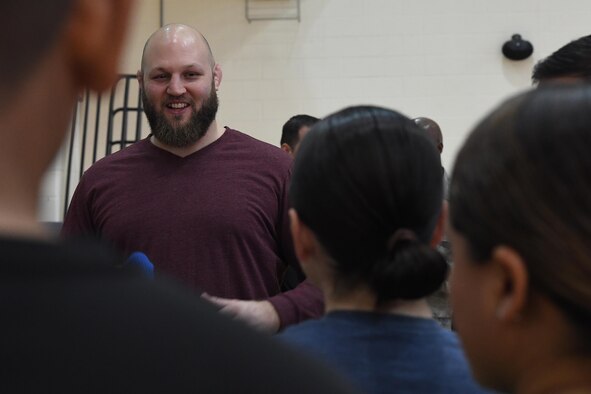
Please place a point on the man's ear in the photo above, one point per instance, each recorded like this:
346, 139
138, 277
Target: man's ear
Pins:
286, 148
511, 298
95, 35
439, 226
217, 76
140, 79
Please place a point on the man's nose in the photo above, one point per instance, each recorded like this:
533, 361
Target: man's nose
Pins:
176, 86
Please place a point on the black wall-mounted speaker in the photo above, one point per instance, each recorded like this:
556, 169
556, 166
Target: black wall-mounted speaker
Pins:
517, 48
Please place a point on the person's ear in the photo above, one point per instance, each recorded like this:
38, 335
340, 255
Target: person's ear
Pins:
439, 226
304, 241
217, 76
95, 35
286, 148
140, 79
513, 282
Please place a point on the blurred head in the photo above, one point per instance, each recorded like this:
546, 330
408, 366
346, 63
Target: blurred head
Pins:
570, 63
294, 130
33, 29
520, 217
433, 131
178, 80
53, 50
366, 188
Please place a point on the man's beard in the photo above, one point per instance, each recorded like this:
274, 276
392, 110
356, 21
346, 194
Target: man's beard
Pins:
176, 134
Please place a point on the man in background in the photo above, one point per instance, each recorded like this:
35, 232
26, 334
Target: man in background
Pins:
294, 130
434, 132
207, 204
570, 63
439, 302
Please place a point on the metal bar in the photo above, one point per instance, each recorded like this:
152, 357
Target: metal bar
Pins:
161, 13
125, 111
120, 142
84, 132
110, 120
69, 167
138, 119
274, 18
99, 99
131, 109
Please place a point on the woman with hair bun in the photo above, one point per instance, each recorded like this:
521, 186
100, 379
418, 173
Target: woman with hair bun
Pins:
367, 202
520, 225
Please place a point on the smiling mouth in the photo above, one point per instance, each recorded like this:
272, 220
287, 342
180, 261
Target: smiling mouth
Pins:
177, 105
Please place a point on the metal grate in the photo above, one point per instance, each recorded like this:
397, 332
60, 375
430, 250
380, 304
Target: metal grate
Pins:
96, 133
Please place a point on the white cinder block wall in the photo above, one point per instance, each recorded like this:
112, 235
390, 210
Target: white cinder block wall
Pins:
435, 58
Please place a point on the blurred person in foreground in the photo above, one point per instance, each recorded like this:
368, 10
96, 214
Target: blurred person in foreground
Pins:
520, 225
71, 320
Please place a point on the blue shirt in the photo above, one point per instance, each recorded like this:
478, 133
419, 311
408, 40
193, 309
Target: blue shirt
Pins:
386, 353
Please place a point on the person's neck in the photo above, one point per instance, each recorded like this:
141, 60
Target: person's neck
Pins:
364, 300
560, 375
213, 134
18, 207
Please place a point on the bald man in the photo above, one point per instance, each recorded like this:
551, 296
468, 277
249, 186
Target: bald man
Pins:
439, 302
207, 204
434, 132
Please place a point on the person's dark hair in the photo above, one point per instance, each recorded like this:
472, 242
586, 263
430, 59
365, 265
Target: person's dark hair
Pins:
522, 180
290, 133
30, 27
432, 128
572, 60
367, 182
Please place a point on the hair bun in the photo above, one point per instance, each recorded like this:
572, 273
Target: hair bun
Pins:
410, 270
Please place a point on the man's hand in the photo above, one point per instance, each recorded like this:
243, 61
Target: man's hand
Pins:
260, 315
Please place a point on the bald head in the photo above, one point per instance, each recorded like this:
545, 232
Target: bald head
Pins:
432, 129
179, 34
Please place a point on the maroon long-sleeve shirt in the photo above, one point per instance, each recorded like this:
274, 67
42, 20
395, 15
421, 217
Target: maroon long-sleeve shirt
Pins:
215, 220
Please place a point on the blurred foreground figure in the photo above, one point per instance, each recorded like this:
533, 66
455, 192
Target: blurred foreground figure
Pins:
71, 322
520, 219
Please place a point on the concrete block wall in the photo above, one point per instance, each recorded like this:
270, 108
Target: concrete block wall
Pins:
435, 58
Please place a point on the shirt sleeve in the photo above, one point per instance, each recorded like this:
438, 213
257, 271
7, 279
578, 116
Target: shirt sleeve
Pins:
78, 220
305, 301
302, 303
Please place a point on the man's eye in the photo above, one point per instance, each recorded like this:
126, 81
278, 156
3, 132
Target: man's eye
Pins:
160, 76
